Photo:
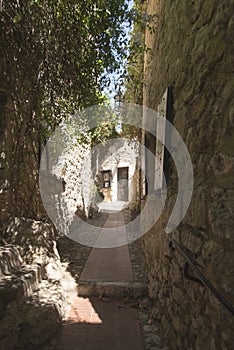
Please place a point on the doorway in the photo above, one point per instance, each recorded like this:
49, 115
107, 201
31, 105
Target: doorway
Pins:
123, 184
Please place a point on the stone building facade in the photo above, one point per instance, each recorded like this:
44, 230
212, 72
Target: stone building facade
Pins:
66, 185
117, 161
191, 51
75, 181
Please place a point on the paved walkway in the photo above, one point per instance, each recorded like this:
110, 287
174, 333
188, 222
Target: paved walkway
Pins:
109, 264
111, 207
102, 323
97, 325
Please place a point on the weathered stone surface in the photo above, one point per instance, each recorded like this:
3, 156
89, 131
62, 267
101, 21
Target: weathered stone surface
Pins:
196, 214
155, 339
20, 194
31, 307
221, 213
222, 164
36, 239
193, 53
72, 186
9, 327
192, 241
113, 289
41, 317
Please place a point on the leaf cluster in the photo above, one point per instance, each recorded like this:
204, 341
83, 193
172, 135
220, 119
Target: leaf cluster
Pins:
54, 52
134, 80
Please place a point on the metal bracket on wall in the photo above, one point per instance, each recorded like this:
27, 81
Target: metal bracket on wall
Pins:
188, 276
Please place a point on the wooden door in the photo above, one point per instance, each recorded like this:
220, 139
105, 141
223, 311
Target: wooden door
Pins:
123, 184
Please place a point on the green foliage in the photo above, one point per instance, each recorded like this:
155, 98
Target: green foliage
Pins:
54, 53
103, 132
135, 67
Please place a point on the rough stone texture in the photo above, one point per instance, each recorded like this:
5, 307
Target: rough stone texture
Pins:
118, 153
192, 51
73, 188
19, 159
36, 239
41, 316
9, 327
3, 160
74, 256
36, 291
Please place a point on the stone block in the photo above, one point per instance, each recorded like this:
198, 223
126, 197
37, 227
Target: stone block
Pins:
9, 325
196, 214
192, 241
221, 213
111, 289
194, 54
221, 164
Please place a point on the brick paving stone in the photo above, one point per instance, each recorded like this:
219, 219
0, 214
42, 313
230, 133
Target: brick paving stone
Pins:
107, 323
109, 264
94, 324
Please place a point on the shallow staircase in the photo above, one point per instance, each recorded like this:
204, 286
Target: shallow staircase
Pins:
113, 289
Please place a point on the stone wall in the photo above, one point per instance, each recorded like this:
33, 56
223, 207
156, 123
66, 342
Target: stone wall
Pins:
192, 52
68, 189
19, 159
79, 166
32, 293
3, 161
119, 153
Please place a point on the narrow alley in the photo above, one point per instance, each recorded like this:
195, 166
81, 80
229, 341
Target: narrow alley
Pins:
116, 175
111, 309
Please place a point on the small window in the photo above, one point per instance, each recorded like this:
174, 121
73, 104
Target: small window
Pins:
107, 184
106, 178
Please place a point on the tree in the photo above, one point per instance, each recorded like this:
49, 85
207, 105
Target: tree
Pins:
135, 66
53, 57
55, 52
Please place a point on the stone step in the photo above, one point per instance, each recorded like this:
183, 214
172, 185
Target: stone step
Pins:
10, 259
42, 315
17, 279
111, 289
19, 285
36, 321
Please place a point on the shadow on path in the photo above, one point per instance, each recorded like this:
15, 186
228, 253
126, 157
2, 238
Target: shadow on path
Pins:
100, 322
97, 325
